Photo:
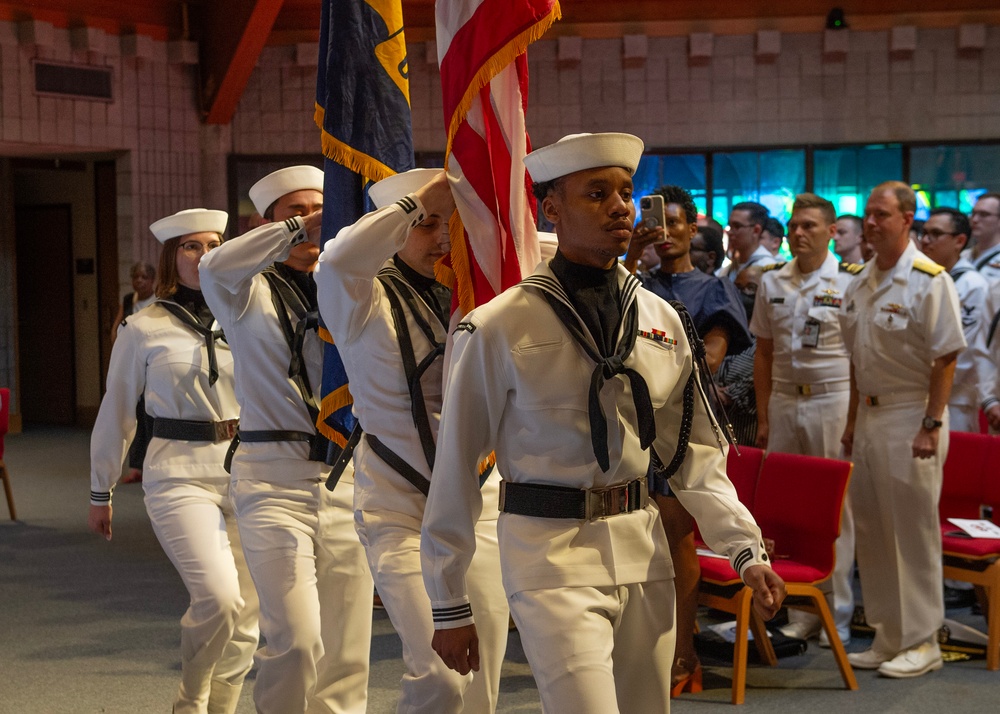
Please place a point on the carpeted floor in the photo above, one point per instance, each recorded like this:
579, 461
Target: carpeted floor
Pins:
90, 627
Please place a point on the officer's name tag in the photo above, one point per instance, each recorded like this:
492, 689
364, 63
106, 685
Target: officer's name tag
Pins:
810, 333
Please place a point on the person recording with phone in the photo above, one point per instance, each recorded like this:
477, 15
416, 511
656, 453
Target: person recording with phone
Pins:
668, 222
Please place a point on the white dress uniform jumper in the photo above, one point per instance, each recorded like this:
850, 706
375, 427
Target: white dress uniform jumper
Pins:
186, 375
307, 563
391, 337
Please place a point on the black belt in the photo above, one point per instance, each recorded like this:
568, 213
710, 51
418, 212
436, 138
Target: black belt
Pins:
186, 430
318, 443
543, 501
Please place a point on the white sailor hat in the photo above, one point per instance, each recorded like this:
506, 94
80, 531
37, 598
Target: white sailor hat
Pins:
547, 245
192, 220
391, 189
577, 152
275, 185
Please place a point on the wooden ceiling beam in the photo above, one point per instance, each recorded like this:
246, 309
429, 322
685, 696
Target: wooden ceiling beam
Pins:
232, 35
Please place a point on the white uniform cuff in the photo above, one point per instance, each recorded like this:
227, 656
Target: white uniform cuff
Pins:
452, 614
296, 230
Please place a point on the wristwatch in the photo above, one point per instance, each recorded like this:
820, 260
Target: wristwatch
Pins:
930, 423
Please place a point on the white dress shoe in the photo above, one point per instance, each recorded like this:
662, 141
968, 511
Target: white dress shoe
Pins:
913, 662
869, 659
801, 630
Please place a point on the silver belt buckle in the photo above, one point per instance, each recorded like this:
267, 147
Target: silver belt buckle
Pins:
226, 430
613, 501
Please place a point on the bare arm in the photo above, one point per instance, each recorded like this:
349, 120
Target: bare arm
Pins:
641, 237
716, 345
763, 364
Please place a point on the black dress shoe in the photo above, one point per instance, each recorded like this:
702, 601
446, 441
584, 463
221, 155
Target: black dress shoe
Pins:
955, 598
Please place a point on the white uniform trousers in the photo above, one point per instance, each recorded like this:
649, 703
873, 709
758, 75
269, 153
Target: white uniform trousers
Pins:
392, 542
195, 524
964, 417
315, 596
812, 426
895, 499
599, 650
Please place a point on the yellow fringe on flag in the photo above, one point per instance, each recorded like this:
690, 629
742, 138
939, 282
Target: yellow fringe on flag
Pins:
324, 334
507, 54
460, 264
489, 461
332, 402
370, 168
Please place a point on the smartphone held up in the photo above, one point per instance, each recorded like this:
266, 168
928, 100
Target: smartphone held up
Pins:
652, 214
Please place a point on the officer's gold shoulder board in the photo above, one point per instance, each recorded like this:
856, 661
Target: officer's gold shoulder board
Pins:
926, 266
852, 268
774, 266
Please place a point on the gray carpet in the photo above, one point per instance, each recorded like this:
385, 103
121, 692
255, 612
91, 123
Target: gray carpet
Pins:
91, 627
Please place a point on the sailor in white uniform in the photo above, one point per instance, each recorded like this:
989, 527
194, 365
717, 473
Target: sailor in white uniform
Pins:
571, 376
305, 558
943, 239
388, 317
173, 354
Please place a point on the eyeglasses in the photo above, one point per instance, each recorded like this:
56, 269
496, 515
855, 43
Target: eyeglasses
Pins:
983, 214
736, 226
933, 235
193, 246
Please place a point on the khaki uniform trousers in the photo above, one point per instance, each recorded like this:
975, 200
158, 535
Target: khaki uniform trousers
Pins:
315, 595
392, 543
196, 527
599, 650
813, 426
895, 499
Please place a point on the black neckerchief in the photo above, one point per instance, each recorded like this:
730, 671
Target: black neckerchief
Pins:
194, 302
595, 294
189, 307
592, 290
436, 295
303, 282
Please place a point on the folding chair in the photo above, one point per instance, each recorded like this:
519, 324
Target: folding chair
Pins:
798, 503
970, 482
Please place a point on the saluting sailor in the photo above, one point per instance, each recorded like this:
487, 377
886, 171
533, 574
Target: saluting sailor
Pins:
174, 354
306, 560
389, 317
802, 376
571, 376
901, 323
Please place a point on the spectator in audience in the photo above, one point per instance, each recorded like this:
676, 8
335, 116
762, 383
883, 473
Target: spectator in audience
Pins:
985, 226
900, 320
772, 236
943, 239
707, 250
720, 322
848, 238
802, 376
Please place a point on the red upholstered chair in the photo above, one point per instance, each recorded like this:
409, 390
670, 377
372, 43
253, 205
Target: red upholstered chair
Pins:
4, 425
798, 503
971, 481
744, 470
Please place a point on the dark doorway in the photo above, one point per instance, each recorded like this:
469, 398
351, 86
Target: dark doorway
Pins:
45, 313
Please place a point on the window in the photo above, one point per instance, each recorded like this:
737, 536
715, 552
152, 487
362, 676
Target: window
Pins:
953, 176
846, 175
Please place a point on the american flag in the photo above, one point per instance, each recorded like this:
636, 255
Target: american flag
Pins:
482, 47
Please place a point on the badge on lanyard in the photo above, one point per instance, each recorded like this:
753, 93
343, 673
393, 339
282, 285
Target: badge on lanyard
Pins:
810, 333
